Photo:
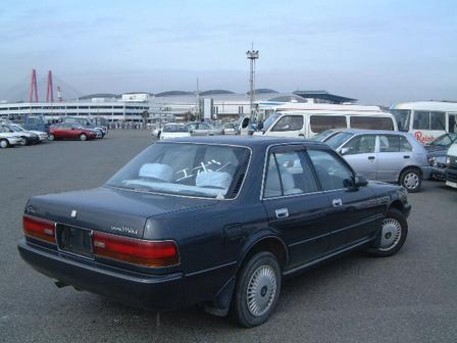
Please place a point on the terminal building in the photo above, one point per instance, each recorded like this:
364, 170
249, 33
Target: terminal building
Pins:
131, 108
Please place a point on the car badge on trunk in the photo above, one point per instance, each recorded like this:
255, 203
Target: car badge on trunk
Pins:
74, 213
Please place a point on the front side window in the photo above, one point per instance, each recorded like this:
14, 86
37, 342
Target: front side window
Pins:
363, 144
331, 171
289, 123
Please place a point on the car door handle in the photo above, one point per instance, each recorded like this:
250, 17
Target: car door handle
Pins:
337, 202
406, 156
371, 157
282, 213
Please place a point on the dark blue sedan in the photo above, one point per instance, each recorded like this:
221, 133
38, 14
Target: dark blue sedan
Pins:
217, 221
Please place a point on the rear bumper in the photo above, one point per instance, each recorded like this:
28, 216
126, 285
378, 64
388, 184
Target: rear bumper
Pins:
163, 292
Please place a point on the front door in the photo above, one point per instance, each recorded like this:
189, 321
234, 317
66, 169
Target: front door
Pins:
354, 215
360, 154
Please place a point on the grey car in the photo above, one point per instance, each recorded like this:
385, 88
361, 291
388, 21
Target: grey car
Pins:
203, 129
384, 155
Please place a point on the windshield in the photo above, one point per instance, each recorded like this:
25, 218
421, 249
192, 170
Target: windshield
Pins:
270, 120
321, 137
197, 170
444, 140
336, 140
15, 128
403, 118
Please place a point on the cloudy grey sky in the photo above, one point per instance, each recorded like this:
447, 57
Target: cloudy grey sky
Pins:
379, 51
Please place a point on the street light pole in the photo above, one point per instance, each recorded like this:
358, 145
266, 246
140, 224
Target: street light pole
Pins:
252, 56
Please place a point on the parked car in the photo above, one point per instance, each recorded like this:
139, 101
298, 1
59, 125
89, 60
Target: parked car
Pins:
437, 150
36, 123
174, 130
325, 135
203, 129
87, 123
230, 129
450, 174
27, 138
7, 139
42, 136
71, 131
384, 155
216, 221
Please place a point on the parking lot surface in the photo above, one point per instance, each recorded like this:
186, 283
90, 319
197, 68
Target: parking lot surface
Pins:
410, 297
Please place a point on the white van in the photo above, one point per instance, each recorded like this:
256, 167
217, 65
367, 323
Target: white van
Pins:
307, 120
426, 120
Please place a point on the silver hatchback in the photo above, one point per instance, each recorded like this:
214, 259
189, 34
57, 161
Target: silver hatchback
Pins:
388, 156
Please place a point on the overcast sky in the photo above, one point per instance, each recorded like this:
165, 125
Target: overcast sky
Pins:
380, 52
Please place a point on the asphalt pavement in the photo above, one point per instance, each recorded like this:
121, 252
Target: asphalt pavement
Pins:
410, 297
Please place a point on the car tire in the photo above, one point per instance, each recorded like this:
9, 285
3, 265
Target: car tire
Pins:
411, 179
392, 235
257, 290
24, 141
51, 137
4, 143
82, 137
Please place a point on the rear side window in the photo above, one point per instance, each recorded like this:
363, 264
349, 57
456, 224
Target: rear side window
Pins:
372, 123
319, 123
392, 143
289, 123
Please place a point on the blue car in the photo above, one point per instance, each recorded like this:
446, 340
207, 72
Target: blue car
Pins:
217, 221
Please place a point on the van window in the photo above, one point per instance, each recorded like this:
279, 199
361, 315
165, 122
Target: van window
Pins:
319, 123
437, 121
421, 120
371, 123
289, 123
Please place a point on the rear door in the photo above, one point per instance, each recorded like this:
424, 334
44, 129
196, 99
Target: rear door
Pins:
395, 153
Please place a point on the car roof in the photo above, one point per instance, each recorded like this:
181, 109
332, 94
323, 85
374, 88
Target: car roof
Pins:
376, 132
242, 140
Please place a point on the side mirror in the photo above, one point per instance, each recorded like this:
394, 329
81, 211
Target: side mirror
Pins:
245, 123
344, 151
360, 181
356, 182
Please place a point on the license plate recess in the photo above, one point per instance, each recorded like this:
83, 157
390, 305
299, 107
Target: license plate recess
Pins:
75, 240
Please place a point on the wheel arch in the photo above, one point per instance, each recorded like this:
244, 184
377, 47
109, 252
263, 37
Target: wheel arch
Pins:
220, 305
410, 167
398, 205
270, 243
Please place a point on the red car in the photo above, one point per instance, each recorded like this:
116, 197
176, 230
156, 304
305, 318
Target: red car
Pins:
70, 131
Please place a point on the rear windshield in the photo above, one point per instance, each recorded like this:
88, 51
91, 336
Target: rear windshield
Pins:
185, 169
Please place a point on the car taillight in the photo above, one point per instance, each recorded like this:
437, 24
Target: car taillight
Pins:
146, 253
39, 228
